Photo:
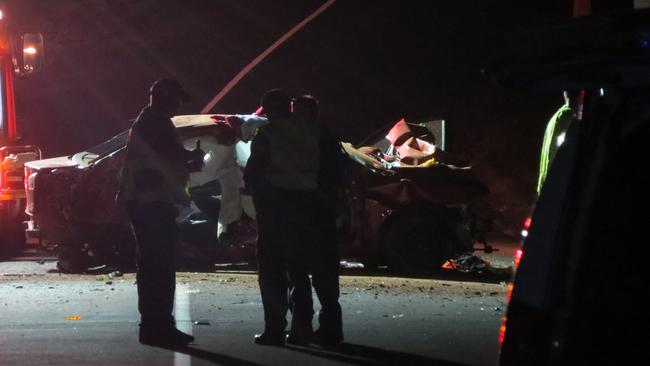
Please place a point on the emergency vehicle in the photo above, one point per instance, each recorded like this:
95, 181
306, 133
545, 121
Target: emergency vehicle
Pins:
20, 55
581, 271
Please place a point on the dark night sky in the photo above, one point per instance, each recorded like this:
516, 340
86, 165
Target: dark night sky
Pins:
369, 62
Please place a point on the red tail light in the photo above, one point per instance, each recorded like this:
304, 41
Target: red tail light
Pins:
519, 253
504, 319
502, 331
509, 293
527, 223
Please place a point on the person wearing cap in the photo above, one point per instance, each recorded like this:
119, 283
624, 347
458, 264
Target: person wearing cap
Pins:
153, 183
282, 175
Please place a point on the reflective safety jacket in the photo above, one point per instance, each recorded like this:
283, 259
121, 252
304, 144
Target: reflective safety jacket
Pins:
285, 154
553, 137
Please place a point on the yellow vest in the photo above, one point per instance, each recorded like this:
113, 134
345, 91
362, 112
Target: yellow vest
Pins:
295, 154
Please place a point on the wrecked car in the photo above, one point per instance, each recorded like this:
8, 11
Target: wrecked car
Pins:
411, 206
71, 201
407, 206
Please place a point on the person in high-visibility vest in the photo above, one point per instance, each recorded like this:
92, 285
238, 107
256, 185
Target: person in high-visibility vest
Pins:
325, 255
282, 175
554, 136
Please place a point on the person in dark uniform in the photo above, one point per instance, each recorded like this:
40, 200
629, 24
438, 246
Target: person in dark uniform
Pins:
282, 175
325, 260
153, 182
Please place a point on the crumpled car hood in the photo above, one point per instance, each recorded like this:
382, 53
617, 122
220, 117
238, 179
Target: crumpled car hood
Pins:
58, 162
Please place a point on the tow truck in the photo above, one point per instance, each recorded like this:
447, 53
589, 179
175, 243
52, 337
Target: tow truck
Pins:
20, 55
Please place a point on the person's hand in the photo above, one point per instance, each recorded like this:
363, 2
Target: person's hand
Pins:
196, 160
198, 153
228, 129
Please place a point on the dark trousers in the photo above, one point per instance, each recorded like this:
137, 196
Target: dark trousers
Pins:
325, 275
156, 234
286, 236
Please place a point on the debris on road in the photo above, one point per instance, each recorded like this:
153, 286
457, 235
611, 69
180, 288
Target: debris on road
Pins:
350, 265
473, 264
115, 274
467, 262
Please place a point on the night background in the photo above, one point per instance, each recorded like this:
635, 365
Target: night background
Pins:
370, 63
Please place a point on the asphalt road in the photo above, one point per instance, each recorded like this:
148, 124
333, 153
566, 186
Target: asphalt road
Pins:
54, 319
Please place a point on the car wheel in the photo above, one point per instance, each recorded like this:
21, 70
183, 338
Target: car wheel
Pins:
72, 258
124, 246
417, 238
111, 245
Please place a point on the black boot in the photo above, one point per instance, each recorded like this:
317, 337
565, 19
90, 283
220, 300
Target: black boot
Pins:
270, 338
166, 337
328, 339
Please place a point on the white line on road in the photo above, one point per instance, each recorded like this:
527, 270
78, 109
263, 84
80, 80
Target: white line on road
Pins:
183, 321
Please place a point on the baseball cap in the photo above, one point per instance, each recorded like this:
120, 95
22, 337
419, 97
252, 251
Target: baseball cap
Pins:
168, 86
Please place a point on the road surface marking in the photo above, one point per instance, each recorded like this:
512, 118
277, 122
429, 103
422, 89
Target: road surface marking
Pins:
183, 321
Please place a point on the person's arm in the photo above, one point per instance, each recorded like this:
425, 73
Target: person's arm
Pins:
172, 149
258, 163
160, 136
332, 164
250, 124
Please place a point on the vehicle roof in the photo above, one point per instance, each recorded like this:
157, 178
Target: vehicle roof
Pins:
196, 120
592, 52
196, 123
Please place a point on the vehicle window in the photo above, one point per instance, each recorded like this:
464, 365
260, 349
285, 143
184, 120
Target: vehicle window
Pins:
108, 146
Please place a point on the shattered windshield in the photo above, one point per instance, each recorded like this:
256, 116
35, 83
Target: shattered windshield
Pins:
108, 146
90, 155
